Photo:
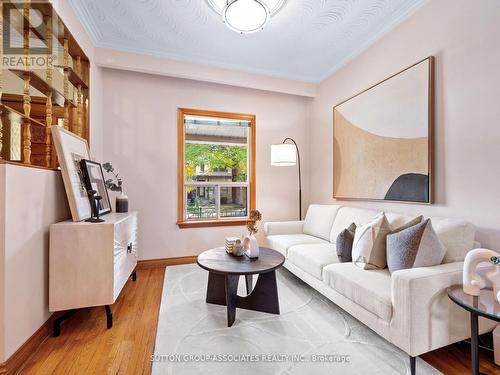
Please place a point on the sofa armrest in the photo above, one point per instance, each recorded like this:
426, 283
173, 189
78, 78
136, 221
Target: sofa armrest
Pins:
283, 227
424, 318
423, 314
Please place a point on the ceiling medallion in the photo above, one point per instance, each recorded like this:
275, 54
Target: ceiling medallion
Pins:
246, 16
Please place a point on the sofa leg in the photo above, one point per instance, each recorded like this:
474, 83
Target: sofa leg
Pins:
413, 361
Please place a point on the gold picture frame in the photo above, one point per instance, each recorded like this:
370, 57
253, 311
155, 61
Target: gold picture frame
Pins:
383, 139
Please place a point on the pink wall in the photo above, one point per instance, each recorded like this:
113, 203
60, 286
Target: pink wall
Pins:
33, 199
140, 136
141, 63
464, 37
30, 200
2, 263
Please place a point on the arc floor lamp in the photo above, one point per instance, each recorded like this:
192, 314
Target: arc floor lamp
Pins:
287, 154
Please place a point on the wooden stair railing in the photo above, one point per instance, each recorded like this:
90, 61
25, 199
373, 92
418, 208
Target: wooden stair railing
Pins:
26, 129
25, 116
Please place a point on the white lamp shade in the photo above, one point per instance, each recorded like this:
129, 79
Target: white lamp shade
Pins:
283, 155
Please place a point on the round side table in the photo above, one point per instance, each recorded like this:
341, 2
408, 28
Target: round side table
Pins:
483, 305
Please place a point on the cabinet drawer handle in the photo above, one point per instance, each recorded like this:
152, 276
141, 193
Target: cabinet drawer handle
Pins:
129, 248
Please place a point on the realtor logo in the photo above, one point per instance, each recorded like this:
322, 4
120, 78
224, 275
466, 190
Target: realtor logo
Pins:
16, 24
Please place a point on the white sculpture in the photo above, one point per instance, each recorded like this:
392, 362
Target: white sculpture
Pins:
472, 281
494, 277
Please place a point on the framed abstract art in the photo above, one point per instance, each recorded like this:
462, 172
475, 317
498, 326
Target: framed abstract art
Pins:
70, 150
383, 139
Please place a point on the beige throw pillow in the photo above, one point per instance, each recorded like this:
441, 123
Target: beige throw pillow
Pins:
409, 224
369, 245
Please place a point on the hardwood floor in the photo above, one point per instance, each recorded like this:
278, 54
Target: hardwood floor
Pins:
455, 359
87, 347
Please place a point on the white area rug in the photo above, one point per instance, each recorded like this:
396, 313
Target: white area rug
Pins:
259, 343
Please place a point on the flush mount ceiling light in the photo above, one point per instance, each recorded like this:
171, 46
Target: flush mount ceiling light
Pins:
246, 16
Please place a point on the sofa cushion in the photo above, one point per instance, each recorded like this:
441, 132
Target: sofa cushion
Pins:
282, 242
456, 235
369, 289
319, 220
312, 258
348, 215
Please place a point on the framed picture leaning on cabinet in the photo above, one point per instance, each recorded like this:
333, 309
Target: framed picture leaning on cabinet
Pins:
94, 180
71, 149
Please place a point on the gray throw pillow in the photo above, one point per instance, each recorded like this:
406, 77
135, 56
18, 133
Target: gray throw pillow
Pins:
416, 246
344, 244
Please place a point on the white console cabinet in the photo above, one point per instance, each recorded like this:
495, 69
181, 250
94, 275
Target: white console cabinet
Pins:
89, 263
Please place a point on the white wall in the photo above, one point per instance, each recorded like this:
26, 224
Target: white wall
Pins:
33, 199
464, 37
140, 139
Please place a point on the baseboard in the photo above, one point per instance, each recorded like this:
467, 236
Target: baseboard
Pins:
165, 262
19, 358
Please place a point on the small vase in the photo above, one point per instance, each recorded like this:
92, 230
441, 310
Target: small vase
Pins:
251, 246
122, 203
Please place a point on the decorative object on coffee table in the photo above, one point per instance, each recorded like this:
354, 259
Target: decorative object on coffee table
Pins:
94, 180
234, 246
250, 242
483, 304
121, 199
70, 150
473, 282
224, 274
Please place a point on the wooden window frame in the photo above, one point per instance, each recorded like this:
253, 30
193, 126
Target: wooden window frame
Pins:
181, 222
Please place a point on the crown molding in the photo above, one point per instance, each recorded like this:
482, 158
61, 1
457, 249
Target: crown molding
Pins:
141, 63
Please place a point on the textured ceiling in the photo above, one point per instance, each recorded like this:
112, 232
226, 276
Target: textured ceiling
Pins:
307, 40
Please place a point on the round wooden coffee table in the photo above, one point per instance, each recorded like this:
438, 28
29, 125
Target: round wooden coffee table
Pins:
224, 274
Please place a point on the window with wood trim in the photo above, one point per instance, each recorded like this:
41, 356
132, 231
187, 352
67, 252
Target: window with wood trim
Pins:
216, 170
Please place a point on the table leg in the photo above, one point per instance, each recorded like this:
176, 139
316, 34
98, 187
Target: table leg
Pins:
223, 290
249, 283
56, 330
474, 345
216, 289
109, 316
264, 296
231, 297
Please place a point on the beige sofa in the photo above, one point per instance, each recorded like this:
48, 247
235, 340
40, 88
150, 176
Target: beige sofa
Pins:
409, 308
